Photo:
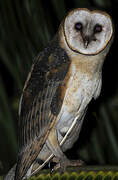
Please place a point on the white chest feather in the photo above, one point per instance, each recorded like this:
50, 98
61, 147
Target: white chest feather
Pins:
81, 88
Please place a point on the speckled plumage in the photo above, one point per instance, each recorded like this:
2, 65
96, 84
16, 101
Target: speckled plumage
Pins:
62, 82
39, 103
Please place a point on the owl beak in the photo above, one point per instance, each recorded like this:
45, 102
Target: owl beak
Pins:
86, 41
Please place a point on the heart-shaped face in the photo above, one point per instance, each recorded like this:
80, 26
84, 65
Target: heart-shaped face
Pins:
87, 32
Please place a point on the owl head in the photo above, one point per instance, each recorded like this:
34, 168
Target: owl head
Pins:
87, 31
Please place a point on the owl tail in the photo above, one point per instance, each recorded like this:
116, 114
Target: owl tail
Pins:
11, 173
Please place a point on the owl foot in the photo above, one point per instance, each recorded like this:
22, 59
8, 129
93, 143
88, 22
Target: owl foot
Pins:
63, 164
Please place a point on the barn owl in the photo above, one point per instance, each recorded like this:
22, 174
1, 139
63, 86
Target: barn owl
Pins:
64, 78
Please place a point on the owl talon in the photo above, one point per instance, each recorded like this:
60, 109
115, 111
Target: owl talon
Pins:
62, 165
55, 168
76, 163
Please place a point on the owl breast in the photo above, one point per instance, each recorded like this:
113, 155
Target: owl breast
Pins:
80, 90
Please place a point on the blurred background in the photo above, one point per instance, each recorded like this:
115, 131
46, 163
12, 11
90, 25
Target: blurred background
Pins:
26, 26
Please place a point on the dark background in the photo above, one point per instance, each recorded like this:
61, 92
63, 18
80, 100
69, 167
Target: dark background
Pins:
26, 26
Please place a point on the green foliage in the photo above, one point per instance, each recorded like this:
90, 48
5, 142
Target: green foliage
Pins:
87, 174
83, 175
25, 28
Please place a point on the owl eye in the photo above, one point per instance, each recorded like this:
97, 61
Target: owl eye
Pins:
97, 28
78, 26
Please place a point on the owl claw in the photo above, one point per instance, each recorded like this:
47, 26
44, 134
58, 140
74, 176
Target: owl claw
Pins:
62, 165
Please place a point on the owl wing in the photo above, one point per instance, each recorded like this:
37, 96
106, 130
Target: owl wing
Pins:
39, 107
